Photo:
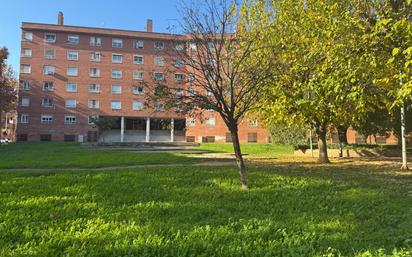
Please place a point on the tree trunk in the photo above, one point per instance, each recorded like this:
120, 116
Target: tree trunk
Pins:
322, 144
343, 139
239, 158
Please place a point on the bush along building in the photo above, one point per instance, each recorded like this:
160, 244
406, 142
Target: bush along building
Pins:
72, 76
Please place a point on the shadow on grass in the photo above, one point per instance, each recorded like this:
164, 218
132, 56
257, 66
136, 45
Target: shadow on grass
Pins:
290, 211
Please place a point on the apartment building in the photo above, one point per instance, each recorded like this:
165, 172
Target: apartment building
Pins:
69, 75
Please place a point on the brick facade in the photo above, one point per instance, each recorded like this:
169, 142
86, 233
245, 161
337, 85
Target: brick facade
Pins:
33, 52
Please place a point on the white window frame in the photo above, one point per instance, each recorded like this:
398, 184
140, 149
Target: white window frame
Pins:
49, 56
159, 79
46, 86
117, 61
94, 75
93, 104
137, 105
179, 75
90, 117
46, 119
118, 107
48, 40
70, 119
28, 36
191, 122
138, 44
71, 41
49, 70
138, 56
118, 72
47, 102
158, 107
24, 118
116, 92
138, 75
25, 101
95, 41
135, 90
159, 61
27, 52
71, 54
25, 68
25, 85
66, 101
75, 74
93, 88
159, 45
179, 47
93, 55
209, 123
117, 43
71, 90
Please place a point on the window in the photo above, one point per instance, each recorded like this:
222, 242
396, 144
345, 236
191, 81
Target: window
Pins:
159, 45
138, 75
50, 54
137, 105
24, 118
192, 91
138, 44
45, 137
49, 70
49, 37
25, 101
190, 139
73, 39
117, 58
25, 85
252, 123
94, 88
116, 74
71, 87
69, 119
179, 47
208, 139
192, 46
116, 105
210, 45
210, 122
191, 122
95, 41
252, 137
48, 86
72, 71
179, 77
138, 59
25, 68
192, 77
158, 76
178, 63
46, 119
95, 56
69, 138
93, 104
21, 137
28, 36
70, 103
209, 93
72, 55
47, 102
178, 91
117, 43
94, 72
159, 61
26, 52
116, 89
91, 119
137, 90
159, 107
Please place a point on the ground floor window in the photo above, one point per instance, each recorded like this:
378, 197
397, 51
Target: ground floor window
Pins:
22, 137
45, 137
190, 139
228, 137
252, 137
208, 139
91, 136
69, 138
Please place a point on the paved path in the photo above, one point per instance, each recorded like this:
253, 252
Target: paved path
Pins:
140, 166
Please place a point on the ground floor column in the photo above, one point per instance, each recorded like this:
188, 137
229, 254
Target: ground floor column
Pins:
147, 130
122, 129
172, 130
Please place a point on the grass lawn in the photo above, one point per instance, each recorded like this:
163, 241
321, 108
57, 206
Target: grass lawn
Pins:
254, 150
180, 211
71, 155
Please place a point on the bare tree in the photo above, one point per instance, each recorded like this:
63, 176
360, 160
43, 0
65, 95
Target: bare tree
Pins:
221, 67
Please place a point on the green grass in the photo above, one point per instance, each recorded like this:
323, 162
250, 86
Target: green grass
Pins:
71, 155
254, 150
181, 211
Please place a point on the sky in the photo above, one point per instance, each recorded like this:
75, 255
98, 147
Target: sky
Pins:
118, 14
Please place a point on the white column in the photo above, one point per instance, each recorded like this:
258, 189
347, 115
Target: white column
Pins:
172, 130
122, 130
147, 129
